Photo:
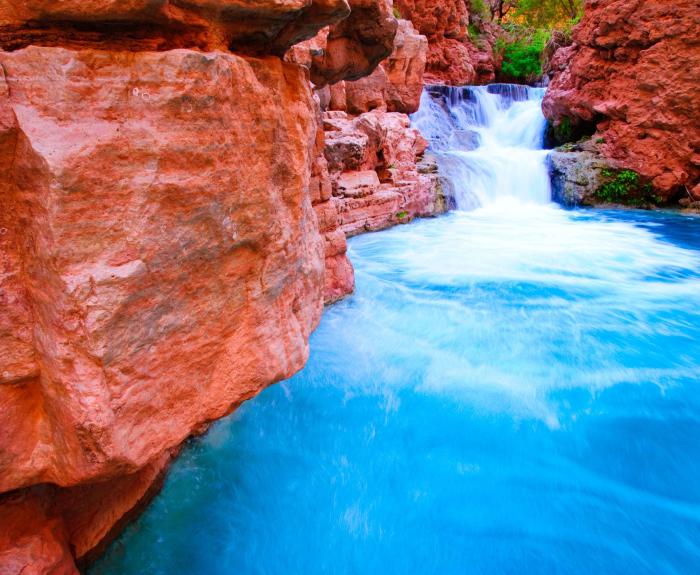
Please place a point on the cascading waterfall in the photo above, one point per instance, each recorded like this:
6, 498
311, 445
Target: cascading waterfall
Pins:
488, 142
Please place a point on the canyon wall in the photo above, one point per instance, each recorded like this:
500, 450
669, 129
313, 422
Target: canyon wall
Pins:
372, 170
632, 76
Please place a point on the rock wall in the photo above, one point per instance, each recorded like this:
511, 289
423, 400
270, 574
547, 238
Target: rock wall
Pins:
167, 226
371, 171
632, 73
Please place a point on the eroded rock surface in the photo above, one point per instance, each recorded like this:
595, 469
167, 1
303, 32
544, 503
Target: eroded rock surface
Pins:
395, 85
633, 72
377, 176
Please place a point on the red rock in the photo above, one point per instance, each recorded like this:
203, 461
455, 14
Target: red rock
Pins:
397, 83
355, 46
162, 256
373, 162
260, 26
173, 239
621, 74
32, 541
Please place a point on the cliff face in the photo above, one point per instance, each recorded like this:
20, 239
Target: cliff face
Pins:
162, 240
633, 73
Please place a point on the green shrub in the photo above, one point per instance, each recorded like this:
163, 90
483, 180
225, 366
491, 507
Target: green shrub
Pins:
401, 215
626, 187
397, 13
522, 58
479, 7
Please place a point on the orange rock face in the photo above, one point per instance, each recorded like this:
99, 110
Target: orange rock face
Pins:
633, 72
162, 279
396, 84
153, 283
374, 161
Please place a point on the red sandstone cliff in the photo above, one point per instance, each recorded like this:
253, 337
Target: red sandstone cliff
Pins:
166, 222
634, 72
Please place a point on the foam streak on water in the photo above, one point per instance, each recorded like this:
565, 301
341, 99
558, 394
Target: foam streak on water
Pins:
513, 389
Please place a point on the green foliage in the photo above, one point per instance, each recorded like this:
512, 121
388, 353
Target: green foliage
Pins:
522, 58
397, 13
474, 32
625, 187
561, 14
479, 8
564, 130
401, 215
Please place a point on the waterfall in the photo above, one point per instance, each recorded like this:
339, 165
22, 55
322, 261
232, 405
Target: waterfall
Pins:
488, 141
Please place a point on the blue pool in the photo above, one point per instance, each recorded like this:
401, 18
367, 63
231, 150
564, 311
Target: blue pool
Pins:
511, 390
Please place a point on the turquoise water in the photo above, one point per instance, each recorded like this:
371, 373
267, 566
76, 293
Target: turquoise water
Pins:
512, 390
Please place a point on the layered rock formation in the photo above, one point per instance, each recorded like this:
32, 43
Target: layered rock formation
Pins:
632, 75
168, 221
378, 173
394, 86
371, 172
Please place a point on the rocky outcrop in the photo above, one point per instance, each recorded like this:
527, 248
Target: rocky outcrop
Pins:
371, 171
247, 26
395, 85
577, 175
632, 74
163, 243
352, 48
157, 283
453, 57
377, 171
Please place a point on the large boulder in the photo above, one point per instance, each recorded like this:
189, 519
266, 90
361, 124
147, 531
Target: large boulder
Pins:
633, 74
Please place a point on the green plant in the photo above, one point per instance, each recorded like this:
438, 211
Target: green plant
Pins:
600, 141
479, 7
401, 215
564, 131
522, 58
626, 187
397, 13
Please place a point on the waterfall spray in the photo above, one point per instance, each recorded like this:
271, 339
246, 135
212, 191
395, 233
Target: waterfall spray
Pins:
488, 141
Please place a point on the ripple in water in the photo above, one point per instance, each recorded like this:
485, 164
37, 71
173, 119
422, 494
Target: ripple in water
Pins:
511, 390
